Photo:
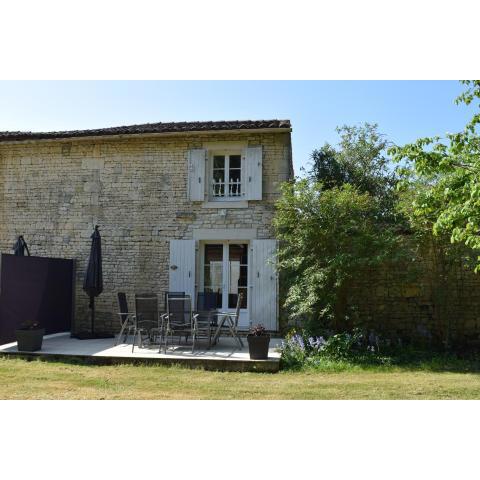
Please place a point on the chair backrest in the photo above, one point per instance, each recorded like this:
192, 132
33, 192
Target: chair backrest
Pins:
172, 295
123, 306
179, 310
206, 301
237, 308
146, 306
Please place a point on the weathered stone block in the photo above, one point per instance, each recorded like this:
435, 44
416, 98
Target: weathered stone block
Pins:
93, 163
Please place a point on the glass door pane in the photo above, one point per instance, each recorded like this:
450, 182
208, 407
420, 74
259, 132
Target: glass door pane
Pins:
213, 270
237, 274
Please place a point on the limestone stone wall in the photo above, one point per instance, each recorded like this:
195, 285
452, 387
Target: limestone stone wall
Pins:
434, 300
431, 298
54, 192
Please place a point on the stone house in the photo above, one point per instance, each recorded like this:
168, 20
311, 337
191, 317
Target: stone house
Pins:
181, 207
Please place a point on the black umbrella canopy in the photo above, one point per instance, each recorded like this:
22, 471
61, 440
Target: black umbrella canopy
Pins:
20, 247
93, 284
93, 281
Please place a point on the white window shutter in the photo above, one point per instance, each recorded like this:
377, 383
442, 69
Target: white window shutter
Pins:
182, 267
196, 175
253, 173
263, 291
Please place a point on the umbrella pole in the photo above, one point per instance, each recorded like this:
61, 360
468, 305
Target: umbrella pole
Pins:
92, 319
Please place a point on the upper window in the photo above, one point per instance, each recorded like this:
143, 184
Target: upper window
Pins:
226, 178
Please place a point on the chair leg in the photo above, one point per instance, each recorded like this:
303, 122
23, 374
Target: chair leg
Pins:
233, 332
166, 342
127, 333
239, 338
209, 336
117, 339
134, 336
160, 342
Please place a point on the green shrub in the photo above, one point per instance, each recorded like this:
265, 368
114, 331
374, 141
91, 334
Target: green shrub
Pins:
301, 349
357, 350
328, 237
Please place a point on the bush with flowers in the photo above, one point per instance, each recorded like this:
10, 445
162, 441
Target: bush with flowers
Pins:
301, 349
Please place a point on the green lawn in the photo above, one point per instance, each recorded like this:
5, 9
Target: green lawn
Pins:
20, 379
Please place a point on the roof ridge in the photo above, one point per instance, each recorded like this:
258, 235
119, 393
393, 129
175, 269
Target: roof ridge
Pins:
155, 127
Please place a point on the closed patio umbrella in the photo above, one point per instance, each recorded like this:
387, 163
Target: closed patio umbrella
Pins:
93, 282
20, 247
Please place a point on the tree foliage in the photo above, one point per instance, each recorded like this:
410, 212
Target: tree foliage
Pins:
348, 221
337, 223
448, 171
359, 160
327, 236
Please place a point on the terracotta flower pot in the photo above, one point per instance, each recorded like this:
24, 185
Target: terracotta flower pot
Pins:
258, 346
30, 340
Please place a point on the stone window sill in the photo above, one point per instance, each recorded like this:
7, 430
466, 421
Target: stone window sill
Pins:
229, 204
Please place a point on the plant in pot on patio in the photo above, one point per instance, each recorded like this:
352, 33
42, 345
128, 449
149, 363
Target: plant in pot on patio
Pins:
258, 342
30, 337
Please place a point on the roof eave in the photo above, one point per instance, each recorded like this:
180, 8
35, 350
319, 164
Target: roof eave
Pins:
126, 136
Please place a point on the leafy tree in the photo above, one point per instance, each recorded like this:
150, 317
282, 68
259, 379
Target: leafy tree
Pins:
360, 160
337, 223
327, 168
448, 171
327, 237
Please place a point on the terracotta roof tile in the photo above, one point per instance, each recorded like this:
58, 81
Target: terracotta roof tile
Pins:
182, 127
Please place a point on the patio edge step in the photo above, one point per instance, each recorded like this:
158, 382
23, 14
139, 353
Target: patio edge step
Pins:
272, 365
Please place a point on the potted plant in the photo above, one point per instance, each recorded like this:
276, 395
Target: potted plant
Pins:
258, 341
30, 337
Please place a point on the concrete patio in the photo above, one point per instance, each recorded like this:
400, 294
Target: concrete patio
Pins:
226, 355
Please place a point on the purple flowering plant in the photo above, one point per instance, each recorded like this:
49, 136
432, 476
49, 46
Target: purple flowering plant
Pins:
301, 348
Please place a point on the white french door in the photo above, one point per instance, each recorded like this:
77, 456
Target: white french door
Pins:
224, 270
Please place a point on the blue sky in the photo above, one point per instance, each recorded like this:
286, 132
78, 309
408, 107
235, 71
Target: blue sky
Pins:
404, 110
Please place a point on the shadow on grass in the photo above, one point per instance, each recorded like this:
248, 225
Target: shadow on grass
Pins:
407, 360
93, 362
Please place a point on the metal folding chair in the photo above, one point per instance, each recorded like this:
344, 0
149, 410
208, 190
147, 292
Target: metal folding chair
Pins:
147, 322
228, 323
180, 320
172, 295
206, 320
127, 319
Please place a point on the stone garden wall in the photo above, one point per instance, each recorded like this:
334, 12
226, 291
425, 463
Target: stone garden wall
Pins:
434, 300
429, 299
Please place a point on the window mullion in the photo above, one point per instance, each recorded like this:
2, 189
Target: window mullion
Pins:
227, 175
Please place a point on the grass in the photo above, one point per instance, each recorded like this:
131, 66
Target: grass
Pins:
21, 379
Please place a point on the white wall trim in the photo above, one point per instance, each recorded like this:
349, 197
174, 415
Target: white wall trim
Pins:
225, 233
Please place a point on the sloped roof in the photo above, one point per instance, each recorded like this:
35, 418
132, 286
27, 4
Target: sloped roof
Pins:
171, 127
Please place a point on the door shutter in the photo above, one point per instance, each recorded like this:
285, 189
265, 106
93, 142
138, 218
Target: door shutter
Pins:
182, 267
263, 300
253, 173
196, 175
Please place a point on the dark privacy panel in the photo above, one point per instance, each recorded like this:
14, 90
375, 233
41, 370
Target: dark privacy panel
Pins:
35, 289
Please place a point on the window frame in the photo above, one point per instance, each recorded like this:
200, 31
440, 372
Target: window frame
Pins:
227, 153
225, 272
